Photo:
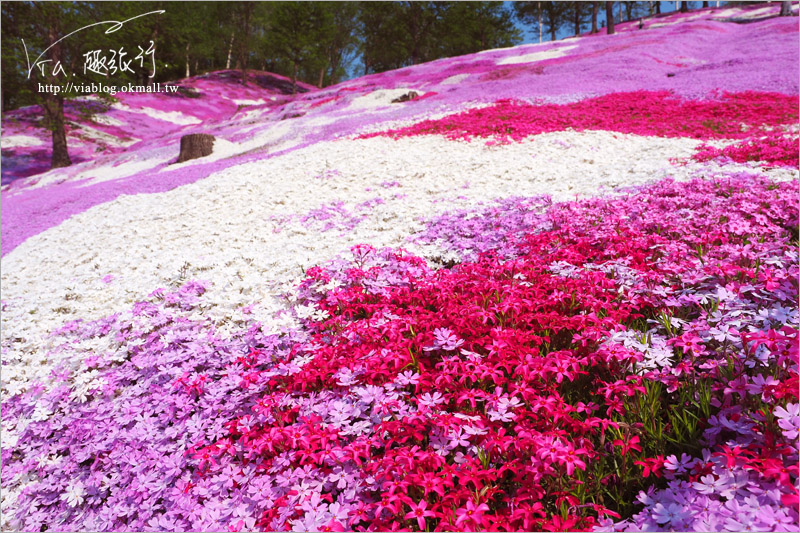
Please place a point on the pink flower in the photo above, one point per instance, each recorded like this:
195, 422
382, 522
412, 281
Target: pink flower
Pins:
572, 460
632, 444
420, 512
470, 513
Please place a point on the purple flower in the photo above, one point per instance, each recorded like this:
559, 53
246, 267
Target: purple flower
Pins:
672, 514
678, 466
431, 400
444, 339
788, 419
760, 385
708, 484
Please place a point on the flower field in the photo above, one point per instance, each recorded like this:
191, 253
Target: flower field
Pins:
508, 304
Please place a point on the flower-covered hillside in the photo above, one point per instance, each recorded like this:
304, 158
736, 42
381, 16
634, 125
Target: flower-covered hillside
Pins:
690, 56
555, 290
133, 120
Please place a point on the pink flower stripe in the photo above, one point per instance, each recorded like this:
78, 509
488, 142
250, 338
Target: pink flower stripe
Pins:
775, 150
655, 113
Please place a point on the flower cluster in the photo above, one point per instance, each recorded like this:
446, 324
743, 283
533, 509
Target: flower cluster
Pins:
499, 227
658, 113
104, 447
331, 216
644, 344
776, 149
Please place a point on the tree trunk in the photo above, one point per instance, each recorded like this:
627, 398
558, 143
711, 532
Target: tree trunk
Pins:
610, 17
230, 51
786, 9
244, 52
153, 37
658, 8
539, 4
705, 4
54, 112
628, 11
577, 18
684, 7
334, 68
321, 77
188, 73
54, 105
595, 7
195, 145
294, 79
551, 21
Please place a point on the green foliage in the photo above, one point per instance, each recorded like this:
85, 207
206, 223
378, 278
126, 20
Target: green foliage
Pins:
476, 26
299, 32
316, 42
398, 34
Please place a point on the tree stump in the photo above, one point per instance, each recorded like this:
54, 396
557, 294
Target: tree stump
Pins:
411, 95
196, 145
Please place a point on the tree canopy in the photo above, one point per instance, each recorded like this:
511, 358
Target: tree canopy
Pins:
317, 42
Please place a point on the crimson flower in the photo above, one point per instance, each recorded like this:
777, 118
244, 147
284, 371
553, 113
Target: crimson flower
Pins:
471, 513
631, 444
651, 465
419, 512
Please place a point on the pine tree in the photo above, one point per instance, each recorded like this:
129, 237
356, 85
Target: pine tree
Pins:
469, 27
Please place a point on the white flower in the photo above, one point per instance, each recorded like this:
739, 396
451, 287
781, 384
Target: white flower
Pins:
41, 413
74, 494
302, 360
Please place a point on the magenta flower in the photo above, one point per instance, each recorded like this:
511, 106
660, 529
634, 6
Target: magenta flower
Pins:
420, 512
471, 513
571, 460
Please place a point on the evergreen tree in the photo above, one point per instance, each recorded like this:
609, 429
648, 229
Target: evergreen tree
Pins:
469, 27
341, 44
579, 11
398, 34
297, 32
